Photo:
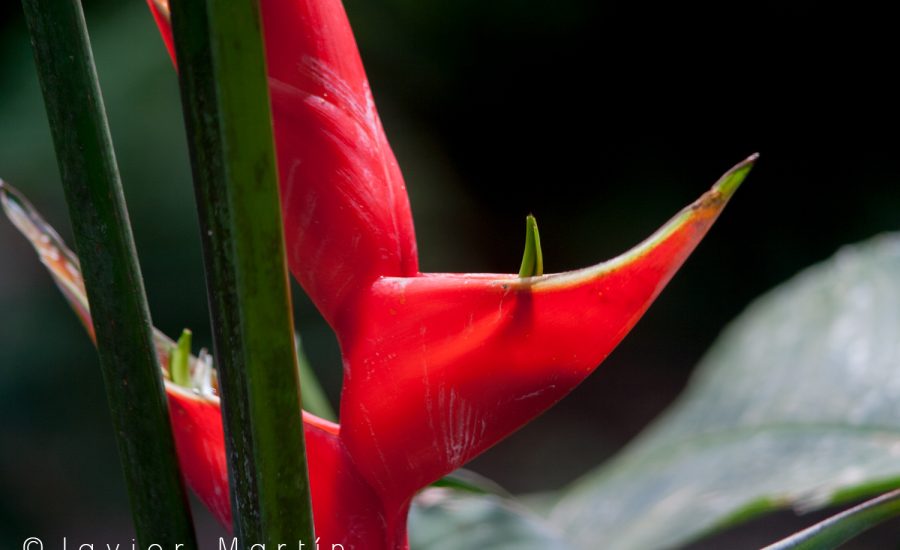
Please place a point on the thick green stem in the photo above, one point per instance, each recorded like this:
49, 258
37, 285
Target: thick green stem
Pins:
112, 276
221, 60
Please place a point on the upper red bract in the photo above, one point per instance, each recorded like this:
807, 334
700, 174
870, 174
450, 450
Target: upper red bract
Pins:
346, 212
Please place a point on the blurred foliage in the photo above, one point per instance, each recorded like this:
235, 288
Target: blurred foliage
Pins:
602, 118
795, 405
444, 519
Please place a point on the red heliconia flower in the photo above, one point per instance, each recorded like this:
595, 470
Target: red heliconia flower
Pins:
437, 367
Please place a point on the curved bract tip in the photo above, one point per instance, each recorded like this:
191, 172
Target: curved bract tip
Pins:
682, 232
29, 221
732, 179
441, 366
61, 262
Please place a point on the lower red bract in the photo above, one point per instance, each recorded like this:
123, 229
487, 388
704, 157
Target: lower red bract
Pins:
197, 428
347, 511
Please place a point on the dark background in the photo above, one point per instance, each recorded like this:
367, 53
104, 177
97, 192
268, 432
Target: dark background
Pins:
602, 118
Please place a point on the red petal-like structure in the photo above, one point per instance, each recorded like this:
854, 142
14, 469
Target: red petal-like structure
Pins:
347, 510
438, 367
200, 440
346, 212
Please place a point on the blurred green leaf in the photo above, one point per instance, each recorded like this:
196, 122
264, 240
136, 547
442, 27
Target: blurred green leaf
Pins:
469, 481
311, 393
840, 528
447, 519
797, 404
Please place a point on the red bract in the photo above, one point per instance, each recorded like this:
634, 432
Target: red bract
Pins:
437, 367
347, 510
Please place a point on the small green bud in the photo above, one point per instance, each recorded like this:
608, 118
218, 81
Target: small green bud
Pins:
179, 360
533, 259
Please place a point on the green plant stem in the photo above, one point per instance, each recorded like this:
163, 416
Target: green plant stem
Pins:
112, 277
220, 55
838, 529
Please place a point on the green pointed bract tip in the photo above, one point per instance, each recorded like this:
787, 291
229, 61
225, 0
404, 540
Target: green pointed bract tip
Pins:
532, 259
732, 179
179, 360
